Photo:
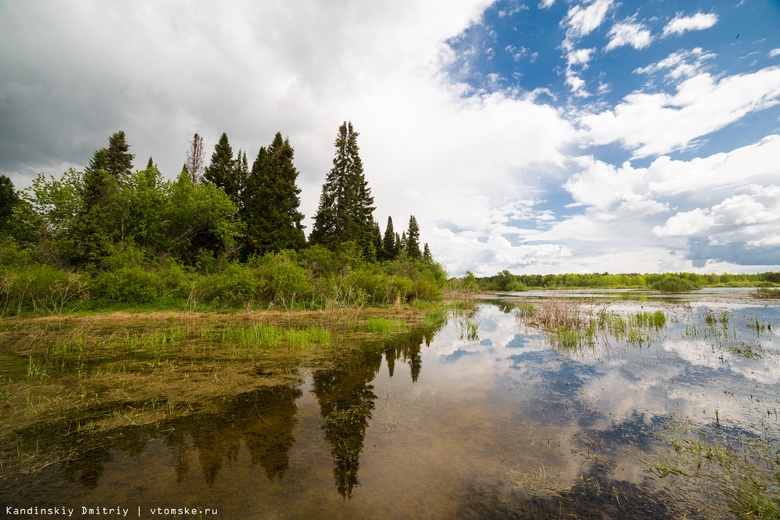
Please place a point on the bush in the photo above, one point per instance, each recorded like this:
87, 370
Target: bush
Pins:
127, 284
675, 284
236, 285
283, 280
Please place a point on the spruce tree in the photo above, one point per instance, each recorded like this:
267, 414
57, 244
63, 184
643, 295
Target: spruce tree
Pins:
413, 239
389, 251
271, 200
427, 256
346, 207
119, 160
8, 199
224, 171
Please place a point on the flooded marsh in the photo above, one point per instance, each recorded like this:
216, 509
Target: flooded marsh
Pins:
542, 405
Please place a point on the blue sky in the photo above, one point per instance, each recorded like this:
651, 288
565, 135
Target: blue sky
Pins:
536, 136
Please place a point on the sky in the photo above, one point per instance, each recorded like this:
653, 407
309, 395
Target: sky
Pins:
539, 136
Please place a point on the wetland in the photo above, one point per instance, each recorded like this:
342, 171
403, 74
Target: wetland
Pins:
544, 404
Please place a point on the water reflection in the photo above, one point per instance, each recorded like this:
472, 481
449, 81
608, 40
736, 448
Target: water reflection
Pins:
496, 424
262, 421
347, 398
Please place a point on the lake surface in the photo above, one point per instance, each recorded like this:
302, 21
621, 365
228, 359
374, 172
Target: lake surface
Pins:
482, 416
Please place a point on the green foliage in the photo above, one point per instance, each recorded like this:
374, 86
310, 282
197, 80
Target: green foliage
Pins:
284, 281
413, 239
271, 200
607, 280
675, 284
8, 199
224, 171
199, 216
235, 286
345, 212
389, 246
504, 282
112, 235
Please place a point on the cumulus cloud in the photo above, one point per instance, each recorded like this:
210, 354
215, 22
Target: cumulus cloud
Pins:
700, 21
705, 213
657, 123
635, 35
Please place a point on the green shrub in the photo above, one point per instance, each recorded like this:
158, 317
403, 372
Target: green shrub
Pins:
675, 284
236, 285
127, 284
283, 280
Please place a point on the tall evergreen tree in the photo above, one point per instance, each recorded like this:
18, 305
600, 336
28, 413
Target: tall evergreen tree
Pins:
389, 251
8, 199
427, 256
271, 200
346, 208
413, 239
103, 213
225, 171
119, 160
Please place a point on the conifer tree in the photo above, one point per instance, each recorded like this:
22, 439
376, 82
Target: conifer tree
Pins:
102, 217
224, 171
8, 199
345, 212
377, 241
388, 243
119, 160
271, 200
413, 239
427, 256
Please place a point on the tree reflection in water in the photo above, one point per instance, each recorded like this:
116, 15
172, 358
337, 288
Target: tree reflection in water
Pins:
347, 398
264, 419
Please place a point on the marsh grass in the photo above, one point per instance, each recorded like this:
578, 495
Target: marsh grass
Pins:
737, 473
385, 325
99, 373
572, 324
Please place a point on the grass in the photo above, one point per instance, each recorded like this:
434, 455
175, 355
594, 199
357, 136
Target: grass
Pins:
101, 372
766, 293
384, 325
741, 474
573, 324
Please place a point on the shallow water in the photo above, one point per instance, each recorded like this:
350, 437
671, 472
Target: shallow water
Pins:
493, 422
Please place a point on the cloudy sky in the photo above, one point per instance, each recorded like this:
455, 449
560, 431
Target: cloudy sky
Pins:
539, 136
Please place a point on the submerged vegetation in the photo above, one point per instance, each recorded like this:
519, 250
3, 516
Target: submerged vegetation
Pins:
712, 469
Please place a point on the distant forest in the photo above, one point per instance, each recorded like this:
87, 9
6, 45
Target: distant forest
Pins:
666, 282
221, 233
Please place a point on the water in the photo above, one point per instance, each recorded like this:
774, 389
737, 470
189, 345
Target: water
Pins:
487, 420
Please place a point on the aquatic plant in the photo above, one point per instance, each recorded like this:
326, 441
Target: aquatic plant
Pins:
742, 474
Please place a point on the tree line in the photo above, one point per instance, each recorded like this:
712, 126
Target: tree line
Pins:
505, 281
110, 217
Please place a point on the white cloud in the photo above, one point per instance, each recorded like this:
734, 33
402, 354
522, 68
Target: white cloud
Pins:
634, 34
752, 213
579, 57
679, 24
544, 4
652, 124
774, 52
679, 64
581, 21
